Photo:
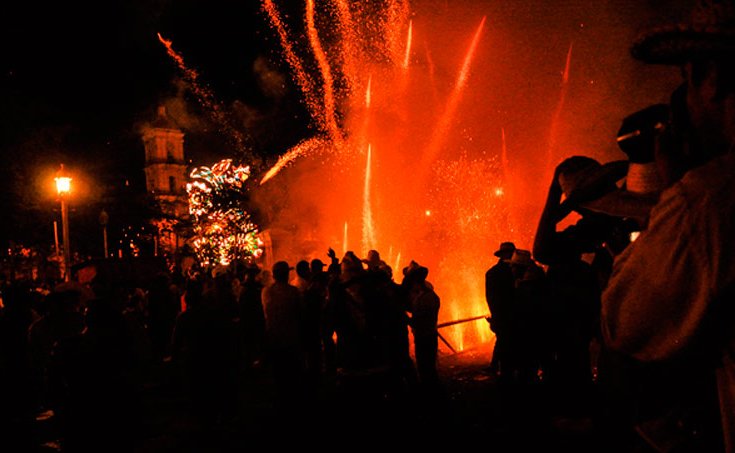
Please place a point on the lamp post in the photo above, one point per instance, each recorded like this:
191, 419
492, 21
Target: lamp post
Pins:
63, 187
104, 218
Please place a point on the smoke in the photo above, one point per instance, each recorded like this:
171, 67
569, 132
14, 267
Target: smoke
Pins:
271, 82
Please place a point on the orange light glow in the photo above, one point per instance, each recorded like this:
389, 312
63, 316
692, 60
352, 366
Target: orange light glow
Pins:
399, 183
63, 185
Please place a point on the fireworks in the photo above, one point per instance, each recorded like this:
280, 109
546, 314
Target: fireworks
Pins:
223, 230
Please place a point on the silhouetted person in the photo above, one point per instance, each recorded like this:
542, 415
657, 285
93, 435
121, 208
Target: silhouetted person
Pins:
252, 319
163, 307
284, 335
424, 308
499, 283
302, 277
61, 321
16, 408
204, 352
98, 394
315, 301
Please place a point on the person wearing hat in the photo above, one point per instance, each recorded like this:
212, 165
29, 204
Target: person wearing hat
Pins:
669, 299
424, 308
499, 297
590, 189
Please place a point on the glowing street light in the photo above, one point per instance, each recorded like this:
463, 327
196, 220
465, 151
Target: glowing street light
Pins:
63, 188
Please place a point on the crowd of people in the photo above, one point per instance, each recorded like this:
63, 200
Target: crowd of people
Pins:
74, 352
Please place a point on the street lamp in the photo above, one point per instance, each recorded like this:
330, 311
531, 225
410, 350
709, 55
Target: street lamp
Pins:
104, 218
63, 187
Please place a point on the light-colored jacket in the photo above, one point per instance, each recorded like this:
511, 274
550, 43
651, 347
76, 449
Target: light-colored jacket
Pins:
672, 289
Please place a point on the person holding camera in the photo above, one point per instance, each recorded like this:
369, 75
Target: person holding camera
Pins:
669, 298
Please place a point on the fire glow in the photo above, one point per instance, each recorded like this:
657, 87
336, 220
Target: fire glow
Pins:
386, 165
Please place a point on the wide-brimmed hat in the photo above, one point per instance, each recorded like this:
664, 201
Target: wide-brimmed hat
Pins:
416, 271
710, 32
505, 249
588, 184
521, 258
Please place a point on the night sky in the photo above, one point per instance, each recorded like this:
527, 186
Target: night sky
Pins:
78, 80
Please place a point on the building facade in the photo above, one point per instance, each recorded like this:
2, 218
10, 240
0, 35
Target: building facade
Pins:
166, 176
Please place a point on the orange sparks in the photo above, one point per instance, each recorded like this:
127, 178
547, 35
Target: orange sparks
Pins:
330, 120
300, 75
442, 129
350, 68
205, 96
409, 39
368, 94
556, 119
303, 148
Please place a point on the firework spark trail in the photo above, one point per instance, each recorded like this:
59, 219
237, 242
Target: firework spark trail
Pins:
368, 92
350, 68
398, 263
441, 130
329, 105
368, 228
409, 40
556, 119
302, 79
302, 149
504, 157
344, 241
206, 98
396, 17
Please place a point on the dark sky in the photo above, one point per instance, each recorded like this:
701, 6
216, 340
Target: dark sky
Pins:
79, 78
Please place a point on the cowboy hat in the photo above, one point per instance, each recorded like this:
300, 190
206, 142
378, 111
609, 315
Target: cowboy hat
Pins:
589, 185
709, 32
506, 248
521, 258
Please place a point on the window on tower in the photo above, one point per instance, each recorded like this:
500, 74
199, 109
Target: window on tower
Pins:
172, 184
170, 155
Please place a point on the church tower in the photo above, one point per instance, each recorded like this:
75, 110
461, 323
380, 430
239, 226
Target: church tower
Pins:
165, 168
165, 175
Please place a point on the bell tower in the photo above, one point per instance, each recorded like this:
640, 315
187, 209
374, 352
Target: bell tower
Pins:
165, 168
165, 176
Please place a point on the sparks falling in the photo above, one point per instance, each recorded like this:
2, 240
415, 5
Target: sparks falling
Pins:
409, 40
207, 99
306, 147
442, 129
359, 93
556, 119
368, 228
321, 57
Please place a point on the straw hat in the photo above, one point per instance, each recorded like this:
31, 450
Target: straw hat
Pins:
589, 185
709, 32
